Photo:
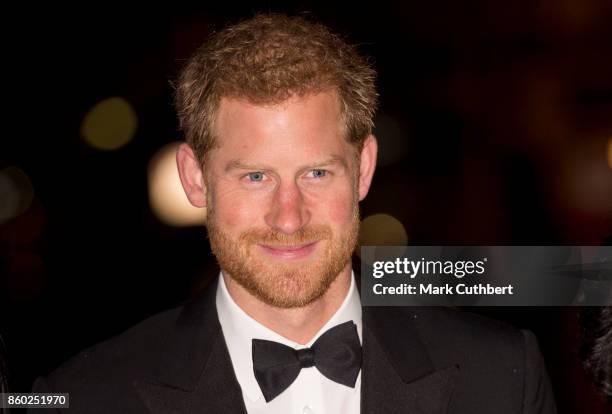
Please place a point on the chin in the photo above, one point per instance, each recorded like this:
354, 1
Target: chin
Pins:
293, 286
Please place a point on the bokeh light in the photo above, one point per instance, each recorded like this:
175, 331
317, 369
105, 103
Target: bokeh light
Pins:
586, 182
382, 230
166, 196
16, 193
110, 124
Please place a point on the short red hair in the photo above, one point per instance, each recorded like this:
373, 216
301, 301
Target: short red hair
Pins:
266, 60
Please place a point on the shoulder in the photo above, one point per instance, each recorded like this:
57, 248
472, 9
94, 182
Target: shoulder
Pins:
114, 364
111, 376
440, 328
478, 345
498, 364
473, 341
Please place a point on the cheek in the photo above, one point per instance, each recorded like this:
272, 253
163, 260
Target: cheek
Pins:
236, 216
235, 211
339, 208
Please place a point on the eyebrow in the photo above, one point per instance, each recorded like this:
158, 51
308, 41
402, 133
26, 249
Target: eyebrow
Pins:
238, 164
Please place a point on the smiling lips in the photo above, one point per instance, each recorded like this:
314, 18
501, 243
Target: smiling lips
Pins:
290, 252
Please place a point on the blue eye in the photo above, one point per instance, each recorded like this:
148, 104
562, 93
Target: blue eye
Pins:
319, 173
256, 176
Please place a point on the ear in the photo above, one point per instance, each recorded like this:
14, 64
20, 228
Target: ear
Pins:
191, 176
367, 165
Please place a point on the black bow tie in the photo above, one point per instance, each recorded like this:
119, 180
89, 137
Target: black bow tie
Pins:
336, 354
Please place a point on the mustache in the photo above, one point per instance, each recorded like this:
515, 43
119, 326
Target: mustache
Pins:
304, 235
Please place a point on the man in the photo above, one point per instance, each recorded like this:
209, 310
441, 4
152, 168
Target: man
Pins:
277, 113
596, 347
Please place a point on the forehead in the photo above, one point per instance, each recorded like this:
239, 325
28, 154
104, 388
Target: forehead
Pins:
314, 119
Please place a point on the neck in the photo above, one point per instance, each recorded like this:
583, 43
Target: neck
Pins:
296, 324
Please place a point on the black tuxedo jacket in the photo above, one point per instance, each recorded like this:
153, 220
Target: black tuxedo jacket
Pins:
415, 360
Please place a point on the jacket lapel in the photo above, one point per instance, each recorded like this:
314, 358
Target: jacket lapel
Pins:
397, 374
195, 373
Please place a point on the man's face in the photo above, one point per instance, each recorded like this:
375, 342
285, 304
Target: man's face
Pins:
282, 191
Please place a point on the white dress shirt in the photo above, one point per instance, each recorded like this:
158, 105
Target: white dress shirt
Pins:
311, 392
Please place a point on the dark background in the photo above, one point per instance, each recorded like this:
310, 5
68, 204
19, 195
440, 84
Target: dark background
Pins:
495, 122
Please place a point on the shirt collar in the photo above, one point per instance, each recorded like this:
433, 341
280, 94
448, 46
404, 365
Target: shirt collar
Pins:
239, 329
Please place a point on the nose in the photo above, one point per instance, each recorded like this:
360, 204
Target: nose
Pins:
288, 212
